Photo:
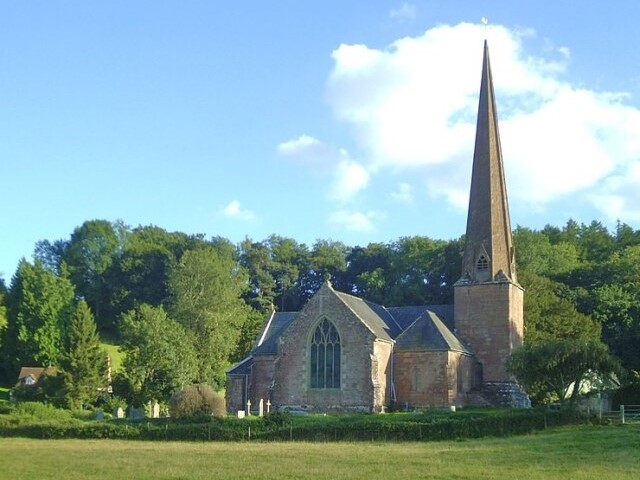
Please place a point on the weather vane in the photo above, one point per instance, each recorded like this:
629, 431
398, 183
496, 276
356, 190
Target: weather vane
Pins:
485, 21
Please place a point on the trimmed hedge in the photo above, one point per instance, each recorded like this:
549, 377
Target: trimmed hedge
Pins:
350, 428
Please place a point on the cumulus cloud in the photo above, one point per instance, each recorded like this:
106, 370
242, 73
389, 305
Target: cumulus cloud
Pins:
406, 11
349, 176
235, 211
413, 104
354, 221
619, 196
403, 194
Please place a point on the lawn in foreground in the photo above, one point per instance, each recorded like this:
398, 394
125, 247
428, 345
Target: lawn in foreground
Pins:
611, 452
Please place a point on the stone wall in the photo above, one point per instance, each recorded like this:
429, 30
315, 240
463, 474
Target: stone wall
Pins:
489, 318
262, 375
359, 351
431, 379
235, 392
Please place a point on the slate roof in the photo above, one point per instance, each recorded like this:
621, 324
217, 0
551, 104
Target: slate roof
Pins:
375, 317
412, 328
242, 368
429, 333
267, 342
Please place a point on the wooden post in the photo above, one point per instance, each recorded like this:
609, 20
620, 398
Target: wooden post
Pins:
622, 413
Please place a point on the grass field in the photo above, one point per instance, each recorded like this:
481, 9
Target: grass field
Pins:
585, 452
116, 356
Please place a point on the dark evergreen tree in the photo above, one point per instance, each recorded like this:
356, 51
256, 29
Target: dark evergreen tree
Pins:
83, 365
40, 308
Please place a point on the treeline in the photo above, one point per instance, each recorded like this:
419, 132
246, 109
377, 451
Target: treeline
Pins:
184, 307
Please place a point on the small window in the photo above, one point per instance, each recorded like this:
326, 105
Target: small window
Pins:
483, 264
325, 356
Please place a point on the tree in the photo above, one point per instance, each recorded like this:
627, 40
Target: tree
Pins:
290, 260
256, 258
3, 313
140, 271
558, 368
207, 287
536, 254
89, 253
40, 308
549, 313
83, 364
159, 354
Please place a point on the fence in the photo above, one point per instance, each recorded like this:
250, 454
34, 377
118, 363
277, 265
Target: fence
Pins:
626, 414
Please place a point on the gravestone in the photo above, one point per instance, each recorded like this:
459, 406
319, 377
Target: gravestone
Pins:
119, 413
261, 408
240, 413
99, 415
155, 410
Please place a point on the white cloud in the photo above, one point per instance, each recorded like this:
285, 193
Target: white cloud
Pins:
406, 11
404, 193
234, 210
304, 143
354, 221
414, 104
350, 178
619, 196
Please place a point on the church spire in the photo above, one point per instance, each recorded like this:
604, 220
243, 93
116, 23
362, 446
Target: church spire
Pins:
488, 254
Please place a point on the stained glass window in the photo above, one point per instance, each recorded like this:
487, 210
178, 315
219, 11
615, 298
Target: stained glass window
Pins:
325, 356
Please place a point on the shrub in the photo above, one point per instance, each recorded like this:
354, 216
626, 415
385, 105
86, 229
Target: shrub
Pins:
278, 419
110, 403
196, 400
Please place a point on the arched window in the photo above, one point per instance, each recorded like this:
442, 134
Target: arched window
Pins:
325, 356
483, 264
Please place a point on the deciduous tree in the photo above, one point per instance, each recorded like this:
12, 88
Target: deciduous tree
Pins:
556, 369
207, 287
159, 354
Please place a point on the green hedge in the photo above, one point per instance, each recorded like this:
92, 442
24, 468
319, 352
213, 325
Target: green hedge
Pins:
349, 428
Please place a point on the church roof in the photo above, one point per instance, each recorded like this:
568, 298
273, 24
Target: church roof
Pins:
374, 316
242, 368
405, 316
267, 342
429, 333
420, 327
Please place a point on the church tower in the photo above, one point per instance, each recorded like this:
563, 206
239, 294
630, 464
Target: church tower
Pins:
488, 301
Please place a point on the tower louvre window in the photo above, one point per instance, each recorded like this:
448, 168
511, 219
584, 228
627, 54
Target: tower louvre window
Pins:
483, 264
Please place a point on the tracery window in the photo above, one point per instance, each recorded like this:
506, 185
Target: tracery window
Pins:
483, 264
325, 356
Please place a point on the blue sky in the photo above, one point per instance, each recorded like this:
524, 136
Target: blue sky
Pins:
351, 121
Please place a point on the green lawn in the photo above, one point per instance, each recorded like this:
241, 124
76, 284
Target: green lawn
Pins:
116, 356
585, 452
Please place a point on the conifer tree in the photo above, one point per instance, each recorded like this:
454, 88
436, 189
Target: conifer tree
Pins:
83, 364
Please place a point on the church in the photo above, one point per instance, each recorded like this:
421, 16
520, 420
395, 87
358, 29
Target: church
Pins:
342, 353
